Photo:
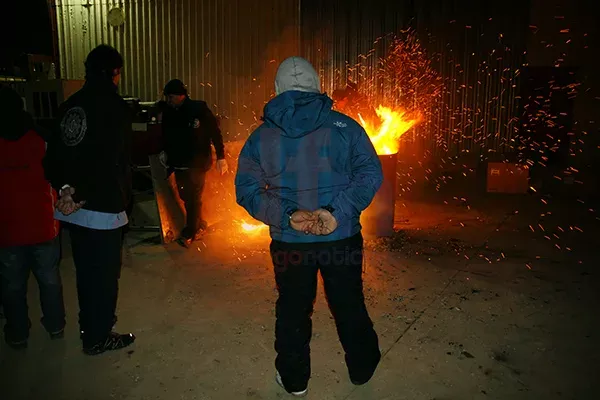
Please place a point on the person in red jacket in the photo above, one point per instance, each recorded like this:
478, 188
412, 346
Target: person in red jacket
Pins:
29, 233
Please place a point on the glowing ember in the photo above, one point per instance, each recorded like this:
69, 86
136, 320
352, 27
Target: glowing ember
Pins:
385, 136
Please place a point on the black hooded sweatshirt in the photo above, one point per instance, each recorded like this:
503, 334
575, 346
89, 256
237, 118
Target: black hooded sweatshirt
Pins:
90, 147
188, 132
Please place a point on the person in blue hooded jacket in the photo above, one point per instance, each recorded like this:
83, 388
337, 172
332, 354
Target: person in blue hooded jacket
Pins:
308, 172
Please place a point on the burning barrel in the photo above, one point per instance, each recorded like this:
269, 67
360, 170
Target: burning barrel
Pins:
378, 218
385, 134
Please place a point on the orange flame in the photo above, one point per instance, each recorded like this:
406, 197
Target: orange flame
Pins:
252, 228
386, 134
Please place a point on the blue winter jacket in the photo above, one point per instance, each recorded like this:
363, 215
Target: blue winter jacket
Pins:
306, 156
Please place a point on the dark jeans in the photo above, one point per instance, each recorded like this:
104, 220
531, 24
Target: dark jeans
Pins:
190, 184
15, 265
296, 267
97, 257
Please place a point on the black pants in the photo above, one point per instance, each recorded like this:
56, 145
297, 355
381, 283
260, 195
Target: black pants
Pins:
15, 266
296, 267
97, 257
190, 184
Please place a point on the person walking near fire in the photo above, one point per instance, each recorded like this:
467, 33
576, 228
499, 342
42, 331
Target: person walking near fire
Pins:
188, 130
308, 172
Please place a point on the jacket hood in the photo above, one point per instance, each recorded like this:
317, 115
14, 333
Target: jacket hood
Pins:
299, 107
298, 113
296, 73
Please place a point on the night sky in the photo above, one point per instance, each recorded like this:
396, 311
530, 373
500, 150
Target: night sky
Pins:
33, 33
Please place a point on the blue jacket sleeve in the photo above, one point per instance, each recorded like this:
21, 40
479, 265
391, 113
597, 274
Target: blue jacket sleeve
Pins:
254, 195
365, 180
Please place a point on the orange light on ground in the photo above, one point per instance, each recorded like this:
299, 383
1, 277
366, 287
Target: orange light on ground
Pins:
386, 133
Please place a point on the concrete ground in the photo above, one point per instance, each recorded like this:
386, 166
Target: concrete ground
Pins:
494, 298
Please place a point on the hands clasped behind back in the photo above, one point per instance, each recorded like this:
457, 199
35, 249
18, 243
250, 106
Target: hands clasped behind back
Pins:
319, 222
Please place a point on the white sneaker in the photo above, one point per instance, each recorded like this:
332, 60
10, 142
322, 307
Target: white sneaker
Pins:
295, 394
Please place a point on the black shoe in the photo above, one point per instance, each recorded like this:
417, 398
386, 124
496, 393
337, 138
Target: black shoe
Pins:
114, 341
360, 382
184, 242
364, 375
186, 233
57, 335
200, 234
17, 344
362, 378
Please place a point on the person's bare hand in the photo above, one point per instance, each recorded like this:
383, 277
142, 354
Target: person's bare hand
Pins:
303, 221
66, 205
325, 224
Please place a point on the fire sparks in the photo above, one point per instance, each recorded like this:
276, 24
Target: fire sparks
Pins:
394, 95
385, 136
439, 108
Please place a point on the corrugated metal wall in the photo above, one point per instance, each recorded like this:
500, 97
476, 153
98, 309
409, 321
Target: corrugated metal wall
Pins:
339, 37
476, 47
226, 51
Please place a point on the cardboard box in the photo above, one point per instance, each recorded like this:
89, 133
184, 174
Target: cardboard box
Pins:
507, 178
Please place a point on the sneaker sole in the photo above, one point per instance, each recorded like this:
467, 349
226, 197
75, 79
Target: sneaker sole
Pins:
96, 351
17, 345
92, 352
184, 244
57, 335
295, 394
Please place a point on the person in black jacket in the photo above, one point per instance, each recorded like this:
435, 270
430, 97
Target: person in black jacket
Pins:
189, 128
88, 163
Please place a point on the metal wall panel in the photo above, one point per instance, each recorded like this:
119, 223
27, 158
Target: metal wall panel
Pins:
226, 51
477, 48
